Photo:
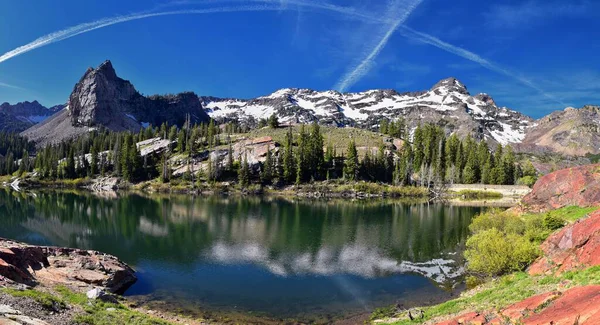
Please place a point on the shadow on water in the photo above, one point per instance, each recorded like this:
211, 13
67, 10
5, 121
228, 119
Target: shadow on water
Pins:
277, 257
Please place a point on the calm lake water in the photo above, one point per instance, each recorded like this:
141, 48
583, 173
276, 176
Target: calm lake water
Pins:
267, 256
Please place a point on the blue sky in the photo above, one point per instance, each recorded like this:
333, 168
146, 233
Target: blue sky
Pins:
534, 56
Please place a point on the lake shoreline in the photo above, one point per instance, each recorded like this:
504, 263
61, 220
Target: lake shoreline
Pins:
324, 189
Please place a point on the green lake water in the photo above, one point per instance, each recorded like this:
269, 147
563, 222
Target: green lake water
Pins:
274, 257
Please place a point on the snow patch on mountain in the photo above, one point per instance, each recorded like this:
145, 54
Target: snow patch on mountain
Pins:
447, 103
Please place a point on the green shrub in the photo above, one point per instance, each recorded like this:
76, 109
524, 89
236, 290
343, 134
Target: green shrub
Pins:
492, 252
553, 222
505, 222
527, 181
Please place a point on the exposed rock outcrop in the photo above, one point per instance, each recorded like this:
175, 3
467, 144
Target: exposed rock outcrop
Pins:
571, 131
578, 186
32, 265
579, 305
103, 100
576, 246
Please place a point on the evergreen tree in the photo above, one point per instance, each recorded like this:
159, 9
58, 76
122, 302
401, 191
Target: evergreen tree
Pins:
418, 150
273, 121
94, 161
315, 152
244, 174
289, 164
351, 163
267, 171
302, 163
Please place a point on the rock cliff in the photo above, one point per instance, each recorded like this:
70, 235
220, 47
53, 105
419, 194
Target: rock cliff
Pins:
103, 100
578, 186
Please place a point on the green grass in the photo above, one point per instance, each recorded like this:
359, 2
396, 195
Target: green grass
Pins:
45, 299
96, 313
338, 137
478, 195
571, 213
504, 292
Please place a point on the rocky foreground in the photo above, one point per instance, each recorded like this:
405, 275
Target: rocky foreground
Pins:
573, 248
27, 272
34, 265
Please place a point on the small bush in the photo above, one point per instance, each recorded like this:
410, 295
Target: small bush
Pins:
553, 222
492, 252
527, 181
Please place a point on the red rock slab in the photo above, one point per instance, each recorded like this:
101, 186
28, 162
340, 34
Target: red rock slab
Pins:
580, 305
473, 318
528, 306
575, 246
572, 186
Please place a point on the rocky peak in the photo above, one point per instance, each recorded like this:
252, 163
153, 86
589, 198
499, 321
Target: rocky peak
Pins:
451, 84
106, 68
101, 99
486, 99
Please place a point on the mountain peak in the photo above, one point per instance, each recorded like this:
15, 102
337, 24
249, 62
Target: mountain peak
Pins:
451, 84
107, 69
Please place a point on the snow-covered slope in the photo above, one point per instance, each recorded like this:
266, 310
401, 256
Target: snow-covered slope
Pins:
448, 103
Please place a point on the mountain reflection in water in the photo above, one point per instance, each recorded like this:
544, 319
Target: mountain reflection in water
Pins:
327, 256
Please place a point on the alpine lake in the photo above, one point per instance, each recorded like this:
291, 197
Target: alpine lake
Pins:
273, 258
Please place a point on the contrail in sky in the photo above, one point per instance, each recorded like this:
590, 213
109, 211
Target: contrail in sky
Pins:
275, 5
364, 66
426, 38
2, 84
87, 27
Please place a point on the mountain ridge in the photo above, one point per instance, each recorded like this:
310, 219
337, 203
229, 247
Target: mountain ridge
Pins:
101, 99
448, 102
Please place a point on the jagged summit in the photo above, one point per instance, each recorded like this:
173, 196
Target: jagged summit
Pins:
451, 84
101, 99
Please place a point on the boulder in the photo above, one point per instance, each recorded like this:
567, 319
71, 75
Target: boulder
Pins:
580, 305
576, 246
100, 294
578, 186
31, 265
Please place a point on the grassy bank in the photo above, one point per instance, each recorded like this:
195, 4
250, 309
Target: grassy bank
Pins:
476, 195
501, 247
92, 312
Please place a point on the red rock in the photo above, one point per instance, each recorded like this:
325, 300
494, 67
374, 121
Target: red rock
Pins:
578, 186
574, 247
528, 306
579, 305
31, 264
473, 318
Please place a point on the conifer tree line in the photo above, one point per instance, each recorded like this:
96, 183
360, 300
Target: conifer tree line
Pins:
106, 152
429, 158
304, 156
12, 149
